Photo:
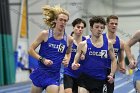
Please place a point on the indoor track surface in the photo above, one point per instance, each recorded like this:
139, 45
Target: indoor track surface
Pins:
123, 84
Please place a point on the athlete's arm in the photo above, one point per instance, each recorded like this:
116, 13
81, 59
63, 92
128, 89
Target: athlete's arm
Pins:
113, 62
81, 48
68, 52
82, 56
134, 39
43, 36
131, 42
121, 62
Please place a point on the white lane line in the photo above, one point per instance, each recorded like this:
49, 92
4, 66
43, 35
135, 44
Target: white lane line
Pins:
132, 91
122, 84
117, 79
20, 90
16, 87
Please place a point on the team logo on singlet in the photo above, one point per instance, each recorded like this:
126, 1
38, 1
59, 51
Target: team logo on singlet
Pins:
61, 48
102, 53
74, 50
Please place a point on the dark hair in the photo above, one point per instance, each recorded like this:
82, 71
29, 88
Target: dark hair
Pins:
72, 33
97, 19
78, 21
111, 17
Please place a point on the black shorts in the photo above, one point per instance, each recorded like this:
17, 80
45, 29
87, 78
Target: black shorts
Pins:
91, 84
110, 87
70, 82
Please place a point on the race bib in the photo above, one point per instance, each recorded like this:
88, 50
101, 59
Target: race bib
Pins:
61, 48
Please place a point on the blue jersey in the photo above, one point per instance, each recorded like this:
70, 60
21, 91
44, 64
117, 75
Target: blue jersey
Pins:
96, 59
53, 50
68, 70
116, 47
138, 60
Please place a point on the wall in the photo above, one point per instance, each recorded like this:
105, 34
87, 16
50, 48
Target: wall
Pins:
127, 10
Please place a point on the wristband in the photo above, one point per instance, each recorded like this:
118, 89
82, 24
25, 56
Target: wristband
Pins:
41, 59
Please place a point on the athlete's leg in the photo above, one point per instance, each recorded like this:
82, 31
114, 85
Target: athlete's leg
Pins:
61, 88
68, 90
52, 89
35, 89
82, 90
70, 85
110, 87
138, 86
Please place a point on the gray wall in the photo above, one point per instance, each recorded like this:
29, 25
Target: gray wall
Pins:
127, 10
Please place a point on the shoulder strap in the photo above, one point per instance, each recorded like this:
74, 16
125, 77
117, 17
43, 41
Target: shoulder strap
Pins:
65, 36
50, 33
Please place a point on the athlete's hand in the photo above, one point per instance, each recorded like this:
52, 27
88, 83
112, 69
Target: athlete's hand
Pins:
65, 62
48, 62
75, 66
110, 79
122, 70
132, 64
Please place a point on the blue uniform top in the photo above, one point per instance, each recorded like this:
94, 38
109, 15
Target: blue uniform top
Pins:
53, 50
116, 47
138, 60
96, 59
68, 70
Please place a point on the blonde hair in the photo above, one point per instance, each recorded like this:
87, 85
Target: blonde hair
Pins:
51, 13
